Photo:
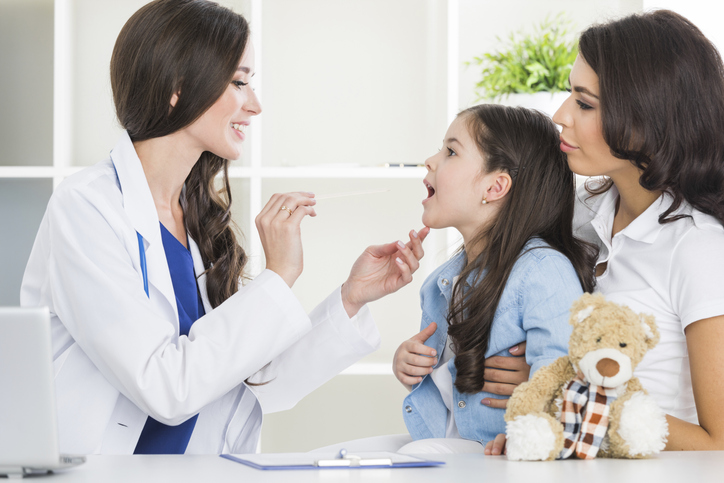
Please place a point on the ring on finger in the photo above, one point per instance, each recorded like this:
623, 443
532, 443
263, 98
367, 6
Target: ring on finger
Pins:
288, 210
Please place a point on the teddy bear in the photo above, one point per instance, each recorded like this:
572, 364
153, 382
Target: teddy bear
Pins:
589, 403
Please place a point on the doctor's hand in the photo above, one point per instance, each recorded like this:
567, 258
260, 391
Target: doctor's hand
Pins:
413, 359
280, 232
382, 270
504, 374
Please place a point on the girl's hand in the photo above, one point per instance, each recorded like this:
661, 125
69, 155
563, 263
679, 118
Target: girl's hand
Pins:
497, 446
410, 362
279, 229
504, 382
382, 270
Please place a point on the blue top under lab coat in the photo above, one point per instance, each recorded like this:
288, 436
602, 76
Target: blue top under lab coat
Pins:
158, 438
534, 307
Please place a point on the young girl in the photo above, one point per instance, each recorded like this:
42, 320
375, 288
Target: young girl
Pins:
502, 181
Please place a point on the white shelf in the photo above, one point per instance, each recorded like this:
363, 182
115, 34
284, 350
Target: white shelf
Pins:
328, 172
305, 172
36, 171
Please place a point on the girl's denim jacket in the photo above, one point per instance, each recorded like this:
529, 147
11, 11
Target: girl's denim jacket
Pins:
534, 307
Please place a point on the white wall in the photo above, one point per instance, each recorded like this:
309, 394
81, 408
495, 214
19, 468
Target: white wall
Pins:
705, 14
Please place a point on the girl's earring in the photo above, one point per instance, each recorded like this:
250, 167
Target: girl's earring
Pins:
485, 200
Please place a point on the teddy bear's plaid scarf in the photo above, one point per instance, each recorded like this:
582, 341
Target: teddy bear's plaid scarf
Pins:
585, 418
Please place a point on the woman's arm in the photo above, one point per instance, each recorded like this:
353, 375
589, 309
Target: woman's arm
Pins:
98, 295
343, 330
504, 374
704, 340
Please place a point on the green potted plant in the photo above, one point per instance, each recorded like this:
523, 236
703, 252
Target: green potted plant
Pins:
530, 69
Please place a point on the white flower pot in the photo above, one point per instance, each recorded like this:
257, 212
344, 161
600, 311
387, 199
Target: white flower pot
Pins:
545, 102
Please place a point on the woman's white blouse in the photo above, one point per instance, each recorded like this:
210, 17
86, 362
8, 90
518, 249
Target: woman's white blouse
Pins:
117, 352
673, 271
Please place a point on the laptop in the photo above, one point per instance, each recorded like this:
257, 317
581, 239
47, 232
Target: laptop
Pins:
28, 417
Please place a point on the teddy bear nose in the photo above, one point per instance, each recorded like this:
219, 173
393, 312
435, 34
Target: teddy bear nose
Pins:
607, 367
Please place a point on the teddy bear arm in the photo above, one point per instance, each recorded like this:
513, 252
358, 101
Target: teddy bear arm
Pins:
536, 395
642, 431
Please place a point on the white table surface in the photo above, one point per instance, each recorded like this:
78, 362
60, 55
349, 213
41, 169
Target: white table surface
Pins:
679, 467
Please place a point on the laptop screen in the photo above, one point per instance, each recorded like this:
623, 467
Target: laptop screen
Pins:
28, 421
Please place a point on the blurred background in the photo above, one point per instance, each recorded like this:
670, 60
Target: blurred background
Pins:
351, 89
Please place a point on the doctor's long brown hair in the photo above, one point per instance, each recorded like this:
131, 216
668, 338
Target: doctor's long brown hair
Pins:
524, 144
191, 47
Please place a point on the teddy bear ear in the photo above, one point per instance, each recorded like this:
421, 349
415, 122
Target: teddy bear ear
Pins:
584, 307
648, 323
583, 314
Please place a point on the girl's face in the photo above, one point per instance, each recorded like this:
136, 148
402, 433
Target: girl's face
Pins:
456, 183
222, 128
582, 133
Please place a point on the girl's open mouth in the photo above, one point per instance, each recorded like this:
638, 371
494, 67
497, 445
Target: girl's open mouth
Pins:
430, 190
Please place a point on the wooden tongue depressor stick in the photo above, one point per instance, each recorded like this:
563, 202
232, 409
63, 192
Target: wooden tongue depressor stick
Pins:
348, 193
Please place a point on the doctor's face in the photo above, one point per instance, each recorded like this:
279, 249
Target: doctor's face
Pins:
222, 128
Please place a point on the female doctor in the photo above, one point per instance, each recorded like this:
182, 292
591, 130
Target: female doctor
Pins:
134, 250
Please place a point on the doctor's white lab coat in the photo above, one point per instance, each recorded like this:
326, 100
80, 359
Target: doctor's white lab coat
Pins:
118, 355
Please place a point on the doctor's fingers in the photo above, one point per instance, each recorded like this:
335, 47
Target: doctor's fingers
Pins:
296, 217
409, 259
415, 243
284, 203
405, 274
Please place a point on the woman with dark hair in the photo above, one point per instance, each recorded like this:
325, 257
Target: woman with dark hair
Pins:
158, 348
646, 115
502, 181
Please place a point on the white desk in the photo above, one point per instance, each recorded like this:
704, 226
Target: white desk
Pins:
683, 467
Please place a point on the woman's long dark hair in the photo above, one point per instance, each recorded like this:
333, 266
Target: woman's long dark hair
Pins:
192, 48
526, 145
661, 91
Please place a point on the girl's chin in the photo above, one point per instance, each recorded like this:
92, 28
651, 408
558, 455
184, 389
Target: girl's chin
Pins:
431, 223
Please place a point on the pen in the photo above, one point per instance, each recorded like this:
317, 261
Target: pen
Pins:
403, 165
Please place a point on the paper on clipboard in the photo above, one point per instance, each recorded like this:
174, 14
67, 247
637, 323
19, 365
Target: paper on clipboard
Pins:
321, 461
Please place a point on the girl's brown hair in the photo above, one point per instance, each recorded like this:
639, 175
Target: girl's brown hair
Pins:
661, 84
190, 48
524, 144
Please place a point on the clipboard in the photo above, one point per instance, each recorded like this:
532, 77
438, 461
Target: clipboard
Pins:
311, 461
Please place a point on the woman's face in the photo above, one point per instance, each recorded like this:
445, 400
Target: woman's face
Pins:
222, 128
455, 183
582, 133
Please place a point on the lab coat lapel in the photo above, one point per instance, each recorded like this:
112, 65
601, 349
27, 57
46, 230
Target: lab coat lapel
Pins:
141, 210
199, 270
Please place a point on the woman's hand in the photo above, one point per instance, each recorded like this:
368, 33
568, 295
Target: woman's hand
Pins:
504, 374
413, 359
382, 270
497, 446
279, 229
